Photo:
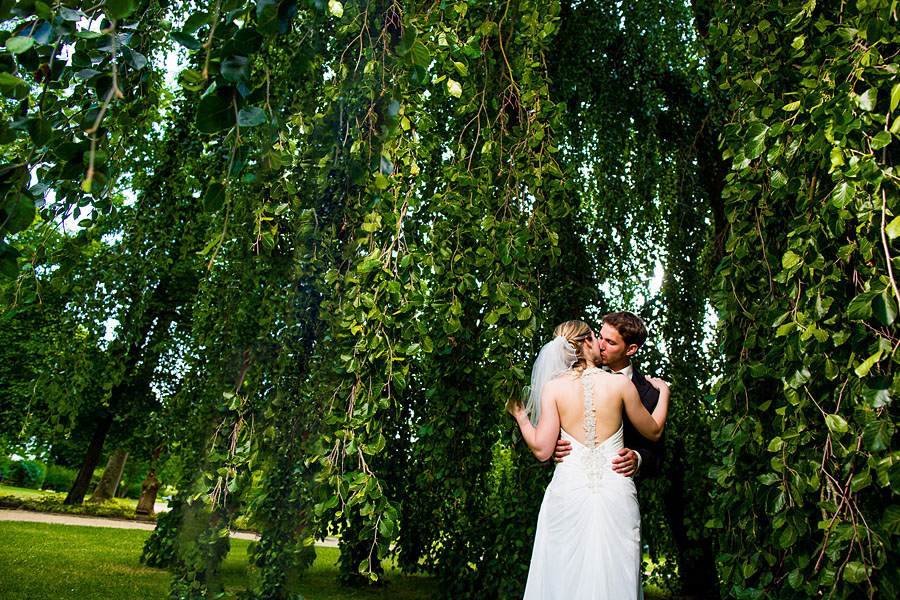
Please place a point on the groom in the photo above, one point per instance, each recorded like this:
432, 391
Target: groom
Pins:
621, 335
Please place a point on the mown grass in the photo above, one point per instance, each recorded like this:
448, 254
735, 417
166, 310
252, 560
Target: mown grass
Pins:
10, 490
41, 561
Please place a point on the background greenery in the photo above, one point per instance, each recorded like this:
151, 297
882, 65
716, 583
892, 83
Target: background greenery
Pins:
299, 281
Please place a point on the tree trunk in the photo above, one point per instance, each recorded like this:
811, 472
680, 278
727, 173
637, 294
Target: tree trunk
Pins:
149, 489
696, 558
112, 474
91, 457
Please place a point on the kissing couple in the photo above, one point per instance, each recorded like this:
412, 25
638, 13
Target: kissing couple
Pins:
603, 420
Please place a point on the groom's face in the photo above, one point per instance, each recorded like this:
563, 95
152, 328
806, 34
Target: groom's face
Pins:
614, 353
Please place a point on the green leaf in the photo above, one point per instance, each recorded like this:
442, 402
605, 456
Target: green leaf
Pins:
854, 572
454, 88
214, 198
863, 369
790, 259
135, 60
895, 96
836, 424
799, 377
40, 131
778, 179
381, 181
877, 434
419, 55
186, 40
386, 528
19, 44
884, 307
119, 9
368, 264
881, 139
524, 314
867, 100
842, 194
893, 228
755, 139
407, 40
267, 16
235, 68
890, 522
385, 166
191, 80
248, 40
251, 116
335, 8
876, 397
861, 307
214, 114
70, 15
196, 21
22, 216
9, 81
837, 158
9, 267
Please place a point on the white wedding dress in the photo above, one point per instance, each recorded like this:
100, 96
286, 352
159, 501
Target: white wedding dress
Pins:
587, 543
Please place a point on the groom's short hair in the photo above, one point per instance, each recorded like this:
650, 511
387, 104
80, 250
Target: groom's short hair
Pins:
629, 326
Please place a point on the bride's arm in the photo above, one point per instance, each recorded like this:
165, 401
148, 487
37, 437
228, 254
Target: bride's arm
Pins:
648, 425
542, 440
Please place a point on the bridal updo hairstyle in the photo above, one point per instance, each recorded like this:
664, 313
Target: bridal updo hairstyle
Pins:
575, 332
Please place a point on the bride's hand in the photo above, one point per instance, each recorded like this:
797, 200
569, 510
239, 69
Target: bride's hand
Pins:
513, 406
658, 383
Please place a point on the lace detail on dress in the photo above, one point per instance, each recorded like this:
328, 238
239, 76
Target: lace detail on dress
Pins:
594, 459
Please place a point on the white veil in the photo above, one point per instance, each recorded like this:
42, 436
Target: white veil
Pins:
555, 358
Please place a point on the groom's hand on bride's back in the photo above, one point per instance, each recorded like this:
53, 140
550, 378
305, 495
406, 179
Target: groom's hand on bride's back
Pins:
563, 448
626, 463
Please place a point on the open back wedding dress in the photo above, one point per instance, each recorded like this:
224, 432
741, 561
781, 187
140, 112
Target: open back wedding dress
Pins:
587, 543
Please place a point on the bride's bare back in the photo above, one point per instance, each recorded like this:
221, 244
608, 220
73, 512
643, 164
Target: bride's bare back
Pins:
609, 398
562, 406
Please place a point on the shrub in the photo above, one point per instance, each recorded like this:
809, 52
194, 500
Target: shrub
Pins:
6, 465
27, 474
59, 479
133, 491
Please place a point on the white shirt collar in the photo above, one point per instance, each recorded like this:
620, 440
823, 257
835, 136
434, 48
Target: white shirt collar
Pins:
628, 371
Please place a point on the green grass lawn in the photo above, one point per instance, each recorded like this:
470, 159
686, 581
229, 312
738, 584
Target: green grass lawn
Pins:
22, 492
40, 561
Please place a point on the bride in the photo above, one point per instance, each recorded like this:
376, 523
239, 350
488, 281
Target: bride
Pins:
587, 543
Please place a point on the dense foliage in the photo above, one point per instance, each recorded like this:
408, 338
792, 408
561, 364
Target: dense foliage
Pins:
308, 272
808, 481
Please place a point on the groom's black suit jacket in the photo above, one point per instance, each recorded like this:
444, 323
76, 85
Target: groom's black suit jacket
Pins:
651, 452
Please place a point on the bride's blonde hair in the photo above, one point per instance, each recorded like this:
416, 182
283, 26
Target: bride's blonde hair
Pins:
575, 332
